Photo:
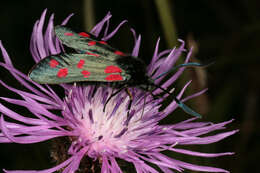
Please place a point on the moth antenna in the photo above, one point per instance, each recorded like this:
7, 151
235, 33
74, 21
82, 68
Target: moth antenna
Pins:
190, 64
184, 107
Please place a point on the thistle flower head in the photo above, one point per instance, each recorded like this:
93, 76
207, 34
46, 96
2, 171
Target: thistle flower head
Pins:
110, 136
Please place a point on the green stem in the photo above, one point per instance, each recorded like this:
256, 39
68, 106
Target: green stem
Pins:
167, 21
89, 14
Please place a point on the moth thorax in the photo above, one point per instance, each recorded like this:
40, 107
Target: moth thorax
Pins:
135, 67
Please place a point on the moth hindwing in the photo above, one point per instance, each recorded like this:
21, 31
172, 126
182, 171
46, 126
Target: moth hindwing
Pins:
86, 43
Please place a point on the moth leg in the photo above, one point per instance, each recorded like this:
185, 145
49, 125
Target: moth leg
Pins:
150, 91
130, 101
112, 95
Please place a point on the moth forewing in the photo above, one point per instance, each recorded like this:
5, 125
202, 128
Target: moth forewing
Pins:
66, 68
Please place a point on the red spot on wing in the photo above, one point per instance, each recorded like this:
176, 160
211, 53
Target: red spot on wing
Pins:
85, 73
68, 34
83, 34
102, 42
81, 63
112, 69
53, 63
119, 53
63, 72
93, 54
114, 77
91, 43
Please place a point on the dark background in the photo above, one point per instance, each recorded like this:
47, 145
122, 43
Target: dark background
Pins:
227, 31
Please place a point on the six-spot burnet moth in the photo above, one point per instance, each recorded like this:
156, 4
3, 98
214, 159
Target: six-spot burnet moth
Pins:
93, 60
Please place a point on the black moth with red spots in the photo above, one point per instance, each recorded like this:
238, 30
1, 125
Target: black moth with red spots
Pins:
94, 61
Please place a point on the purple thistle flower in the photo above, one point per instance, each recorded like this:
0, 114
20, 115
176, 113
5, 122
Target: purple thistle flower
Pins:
110, 135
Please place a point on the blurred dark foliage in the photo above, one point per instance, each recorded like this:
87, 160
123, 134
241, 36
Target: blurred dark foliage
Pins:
227, 31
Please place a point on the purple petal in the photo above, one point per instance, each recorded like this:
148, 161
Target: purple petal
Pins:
198, 168
24, 139
66, 20
39, 36
115, 167
135, 51
5, 55
151, 67
98, 27
199, 154
48, 38
211, 139
107, 37
194, 95
20, 118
